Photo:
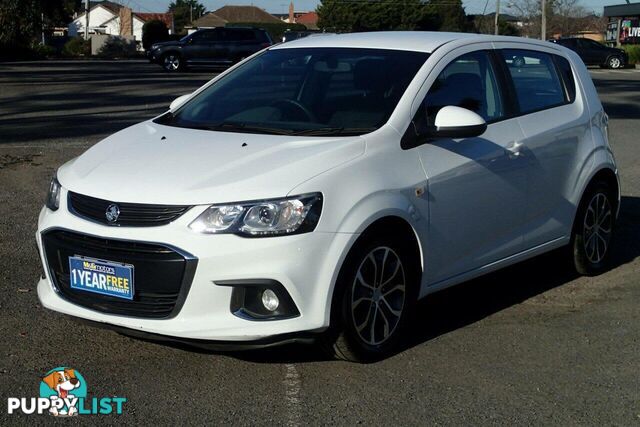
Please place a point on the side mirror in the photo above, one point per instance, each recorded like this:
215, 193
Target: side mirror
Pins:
178, 101
458, 122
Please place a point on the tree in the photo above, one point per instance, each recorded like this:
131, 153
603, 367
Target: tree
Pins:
154, 31
21, 22
485, 24
565, 17
184, 11
382, 15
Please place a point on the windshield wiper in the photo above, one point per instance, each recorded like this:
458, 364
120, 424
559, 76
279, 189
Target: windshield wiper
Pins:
335, 131
241, 127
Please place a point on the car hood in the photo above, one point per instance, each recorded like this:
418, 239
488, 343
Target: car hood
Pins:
152, 163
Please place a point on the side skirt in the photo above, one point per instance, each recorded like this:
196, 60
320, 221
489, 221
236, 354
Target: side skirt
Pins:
496, 265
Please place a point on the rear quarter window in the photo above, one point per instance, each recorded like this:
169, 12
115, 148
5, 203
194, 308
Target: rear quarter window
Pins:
564, 67
535, 79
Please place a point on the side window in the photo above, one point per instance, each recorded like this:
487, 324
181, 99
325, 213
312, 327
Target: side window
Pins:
469, 82
239, 35
535, 79
567, 77
594, 45
205, 36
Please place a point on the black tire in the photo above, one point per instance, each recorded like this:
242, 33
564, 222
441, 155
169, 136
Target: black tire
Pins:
343, 340
593, 230
614, 62
172, 62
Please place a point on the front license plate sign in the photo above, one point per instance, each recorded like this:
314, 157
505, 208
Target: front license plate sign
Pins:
101, 277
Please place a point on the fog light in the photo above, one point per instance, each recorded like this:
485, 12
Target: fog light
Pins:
270, 300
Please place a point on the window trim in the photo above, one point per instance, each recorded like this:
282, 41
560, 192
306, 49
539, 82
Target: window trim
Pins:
513, 93
410, 139
507, 92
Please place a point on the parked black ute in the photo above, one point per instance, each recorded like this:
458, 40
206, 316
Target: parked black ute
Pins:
594, 53
209, 47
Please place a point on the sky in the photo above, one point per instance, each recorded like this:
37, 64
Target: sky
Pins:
282, 6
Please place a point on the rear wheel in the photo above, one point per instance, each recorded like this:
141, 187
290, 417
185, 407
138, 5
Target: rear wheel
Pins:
375, 297
172, 62
614, 62
593, 230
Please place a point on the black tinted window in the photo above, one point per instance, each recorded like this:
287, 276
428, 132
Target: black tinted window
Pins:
205, 36
534, 76
567, 77
468, 82
239, 35
570, 43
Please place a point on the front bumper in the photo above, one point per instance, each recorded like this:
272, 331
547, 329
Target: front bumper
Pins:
305, 264
153, 56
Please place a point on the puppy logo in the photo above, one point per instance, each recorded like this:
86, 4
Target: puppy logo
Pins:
63, 386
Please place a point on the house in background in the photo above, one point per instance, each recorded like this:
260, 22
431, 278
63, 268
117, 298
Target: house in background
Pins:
112, 19
245, 14
308, 19
233, 15
209, 20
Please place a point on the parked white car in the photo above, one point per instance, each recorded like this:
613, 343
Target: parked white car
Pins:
321, 187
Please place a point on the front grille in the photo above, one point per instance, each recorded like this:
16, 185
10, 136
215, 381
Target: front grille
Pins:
162, 276
131, 214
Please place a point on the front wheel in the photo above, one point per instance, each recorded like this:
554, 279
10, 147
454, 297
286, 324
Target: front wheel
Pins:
593, 230
172, 62
614, 62
375, 296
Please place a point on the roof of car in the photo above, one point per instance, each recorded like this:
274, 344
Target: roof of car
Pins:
419, 41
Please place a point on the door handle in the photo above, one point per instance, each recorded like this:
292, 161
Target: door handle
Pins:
514, 150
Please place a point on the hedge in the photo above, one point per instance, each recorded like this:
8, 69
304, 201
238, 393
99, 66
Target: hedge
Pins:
634, 53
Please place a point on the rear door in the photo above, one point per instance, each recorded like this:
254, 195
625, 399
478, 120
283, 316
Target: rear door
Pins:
476, 187
238, 44
556, 142
204, 47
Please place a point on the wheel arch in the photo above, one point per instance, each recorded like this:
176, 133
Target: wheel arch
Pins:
396, 224
609, 176
614, 55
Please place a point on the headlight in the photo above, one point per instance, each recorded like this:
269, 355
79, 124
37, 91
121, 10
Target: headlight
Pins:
291, 215
53, 198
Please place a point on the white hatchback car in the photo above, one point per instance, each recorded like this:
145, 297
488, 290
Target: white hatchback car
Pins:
321, 187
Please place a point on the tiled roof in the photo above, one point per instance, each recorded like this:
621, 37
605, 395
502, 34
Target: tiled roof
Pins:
167, 18
235, 14
208, 21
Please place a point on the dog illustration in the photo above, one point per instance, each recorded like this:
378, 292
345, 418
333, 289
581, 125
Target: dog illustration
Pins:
62, 382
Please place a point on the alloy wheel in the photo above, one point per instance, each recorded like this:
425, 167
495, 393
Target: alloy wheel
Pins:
172, 62
615, 62
378, 295
598, 223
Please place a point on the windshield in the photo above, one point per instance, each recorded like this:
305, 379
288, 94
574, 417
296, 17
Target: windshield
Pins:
304, 91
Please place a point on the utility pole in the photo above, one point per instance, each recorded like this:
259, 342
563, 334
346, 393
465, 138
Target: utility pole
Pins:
42, 29
86, 19
191, 9
496, 30
543, 27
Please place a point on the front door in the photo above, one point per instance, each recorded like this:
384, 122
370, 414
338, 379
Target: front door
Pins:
476, 187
